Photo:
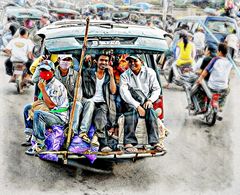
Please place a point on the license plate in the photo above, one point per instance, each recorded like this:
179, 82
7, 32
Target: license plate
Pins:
17, 72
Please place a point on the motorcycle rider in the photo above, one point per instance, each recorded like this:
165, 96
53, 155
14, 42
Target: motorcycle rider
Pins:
219, 70
185, 53
209, 54
20, 50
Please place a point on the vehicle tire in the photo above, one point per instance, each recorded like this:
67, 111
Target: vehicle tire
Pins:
18, 86
211, 117
166, 69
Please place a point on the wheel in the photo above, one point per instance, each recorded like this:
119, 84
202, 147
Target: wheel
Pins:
211, 117
18, 86
167, 68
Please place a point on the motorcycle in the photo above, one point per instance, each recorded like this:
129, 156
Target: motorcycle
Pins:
20, 76
201, 101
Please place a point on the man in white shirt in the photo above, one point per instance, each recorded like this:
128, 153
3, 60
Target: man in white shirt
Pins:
20, 50
232, 43
199, 40
219, 69
144, 79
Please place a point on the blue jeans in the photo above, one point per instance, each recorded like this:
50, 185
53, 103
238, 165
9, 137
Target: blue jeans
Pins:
84, 108
87, 110
41, 121
28, 122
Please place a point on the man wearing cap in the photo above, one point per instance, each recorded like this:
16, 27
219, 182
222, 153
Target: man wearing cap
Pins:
68, 77
144, 79
54, 95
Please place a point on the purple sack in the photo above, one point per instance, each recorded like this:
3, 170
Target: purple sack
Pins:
78, 146
54, 141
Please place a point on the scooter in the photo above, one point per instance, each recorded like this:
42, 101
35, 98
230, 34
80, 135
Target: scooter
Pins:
20, 75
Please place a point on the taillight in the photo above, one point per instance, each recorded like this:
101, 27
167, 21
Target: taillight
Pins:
158, 107
215, 98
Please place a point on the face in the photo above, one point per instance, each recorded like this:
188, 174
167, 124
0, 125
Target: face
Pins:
135, 64
103, 62
65, 63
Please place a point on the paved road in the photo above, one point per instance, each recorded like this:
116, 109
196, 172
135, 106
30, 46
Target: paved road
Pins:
200, 160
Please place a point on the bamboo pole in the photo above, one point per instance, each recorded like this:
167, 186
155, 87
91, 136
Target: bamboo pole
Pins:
84, 48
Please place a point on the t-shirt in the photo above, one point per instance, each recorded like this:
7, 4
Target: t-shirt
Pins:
199, 40
232, 41
219, 69
205, 62
20, 47
98, 96
185, 55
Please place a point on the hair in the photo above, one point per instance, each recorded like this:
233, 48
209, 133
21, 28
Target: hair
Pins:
222, 47
22, 31
185, 41
98, 56
211, 49
234, 31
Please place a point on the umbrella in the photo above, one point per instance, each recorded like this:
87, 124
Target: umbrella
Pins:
143, 5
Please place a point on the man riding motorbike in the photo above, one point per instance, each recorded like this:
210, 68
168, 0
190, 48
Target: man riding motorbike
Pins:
219, 69
20, 50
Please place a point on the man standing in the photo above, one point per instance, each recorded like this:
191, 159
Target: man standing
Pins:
54, 95
143, 79
103, 87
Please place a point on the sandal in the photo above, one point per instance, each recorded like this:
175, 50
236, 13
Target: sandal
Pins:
85, 137
129, 148
94, 141
106, 149
159, 148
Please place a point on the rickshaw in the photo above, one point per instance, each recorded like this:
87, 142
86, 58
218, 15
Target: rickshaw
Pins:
99, 37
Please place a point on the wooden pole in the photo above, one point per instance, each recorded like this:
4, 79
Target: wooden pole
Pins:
84, 48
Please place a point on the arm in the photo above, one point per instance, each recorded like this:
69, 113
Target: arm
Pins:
125, 93
46, 98
207, 70
113, 87
35, 64
202, 76
155, 87
8, 52
193, 51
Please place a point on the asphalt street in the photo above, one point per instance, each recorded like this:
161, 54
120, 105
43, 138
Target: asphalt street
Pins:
200, 159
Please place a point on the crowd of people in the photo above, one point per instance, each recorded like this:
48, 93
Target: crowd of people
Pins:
96, 103
106, 91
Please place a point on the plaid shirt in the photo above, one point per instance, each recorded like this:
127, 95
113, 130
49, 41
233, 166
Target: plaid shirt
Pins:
58, 95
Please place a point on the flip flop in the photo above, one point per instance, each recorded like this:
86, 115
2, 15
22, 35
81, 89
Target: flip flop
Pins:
130, 149
85, 137
159, 148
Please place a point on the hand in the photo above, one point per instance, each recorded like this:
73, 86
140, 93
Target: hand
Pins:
43, 57
41, 84
141, 111
198, 82
110, 71
148, 104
